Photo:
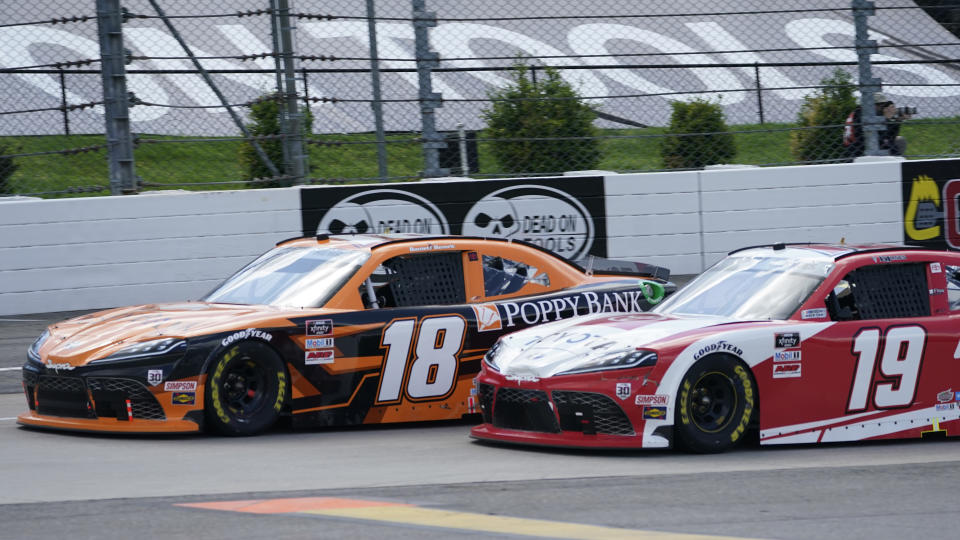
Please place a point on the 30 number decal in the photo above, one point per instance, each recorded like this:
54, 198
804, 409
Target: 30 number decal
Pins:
431, 373
899, 367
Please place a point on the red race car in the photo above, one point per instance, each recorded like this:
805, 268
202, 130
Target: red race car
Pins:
806, 343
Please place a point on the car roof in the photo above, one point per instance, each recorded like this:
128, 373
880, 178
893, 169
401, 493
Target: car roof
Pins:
373, 241
822, 251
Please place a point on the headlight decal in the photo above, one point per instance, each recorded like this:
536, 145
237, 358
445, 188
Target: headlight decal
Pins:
143, 349
618, 360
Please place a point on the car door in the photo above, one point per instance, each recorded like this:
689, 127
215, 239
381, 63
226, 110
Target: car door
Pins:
882, 368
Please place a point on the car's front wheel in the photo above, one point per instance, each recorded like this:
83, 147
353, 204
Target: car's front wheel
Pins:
715, 404
246, 389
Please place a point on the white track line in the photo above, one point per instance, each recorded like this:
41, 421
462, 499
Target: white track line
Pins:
9, 368
8, 418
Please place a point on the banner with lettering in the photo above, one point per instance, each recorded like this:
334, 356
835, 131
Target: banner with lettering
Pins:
931, 203
565, 215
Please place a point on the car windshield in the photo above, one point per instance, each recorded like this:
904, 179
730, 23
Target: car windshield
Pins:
296, 276
744, 287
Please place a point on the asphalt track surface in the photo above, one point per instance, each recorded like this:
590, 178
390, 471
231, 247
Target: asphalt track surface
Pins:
429, 481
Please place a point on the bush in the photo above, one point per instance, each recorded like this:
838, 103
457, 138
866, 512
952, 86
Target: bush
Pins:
829, 106
265, 120
541, 106
7, 167
681, 150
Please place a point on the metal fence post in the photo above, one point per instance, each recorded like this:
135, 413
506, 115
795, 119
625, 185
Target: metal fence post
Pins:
377, 103
872, 123
295, 159
115, 98
426, 60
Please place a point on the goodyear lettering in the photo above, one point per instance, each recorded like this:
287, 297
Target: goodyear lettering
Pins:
281, 390
685, 402
246, 334
541, 311
215, 387
720, 346
748, 402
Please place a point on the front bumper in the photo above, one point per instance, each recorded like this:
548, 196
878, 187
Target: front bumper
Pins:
582, 411
96, 401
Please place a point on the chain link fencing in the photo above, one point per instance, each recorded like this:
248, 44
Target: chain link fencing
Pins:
529, 88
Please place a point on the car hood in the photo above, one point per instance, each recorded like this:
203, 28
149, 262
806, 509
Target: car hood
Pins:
577, 344
97, 335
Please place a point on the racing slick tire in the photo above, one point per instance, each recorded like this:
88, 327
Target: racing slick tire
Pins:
715, 405
246, 389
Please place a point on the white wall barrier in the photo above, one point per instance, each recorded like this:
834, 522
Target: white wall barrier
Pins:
85, 253
97, 252
687, 221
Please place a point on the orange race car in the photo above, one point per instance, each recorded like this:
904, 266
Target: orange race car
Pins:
329, 330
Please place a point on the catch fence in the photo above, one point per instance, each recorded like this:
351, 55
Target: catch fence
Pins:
155, 94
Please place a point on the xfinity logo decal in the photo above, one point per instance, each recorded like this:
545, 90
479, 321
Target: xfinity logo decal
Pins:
541, 215
383, 211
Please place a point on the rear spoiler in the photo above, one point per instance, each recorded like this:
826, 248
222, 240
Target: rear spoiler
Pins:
630, 268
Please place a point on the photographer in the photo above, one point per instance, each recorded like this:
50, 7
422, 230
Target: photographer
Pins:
888, 138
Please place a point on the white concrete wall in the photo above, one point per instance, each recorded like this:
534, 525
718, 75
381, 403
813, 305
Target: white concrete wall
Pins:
68, 254
98, 252
687, 221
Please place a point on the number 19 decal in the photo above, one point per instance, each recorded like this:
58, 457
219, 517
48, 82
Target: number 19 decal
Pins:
431, 372
900, 362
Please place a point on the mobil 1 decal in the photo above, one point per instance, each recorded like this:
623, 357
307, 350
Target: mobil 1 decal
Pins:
564, 215
931, 203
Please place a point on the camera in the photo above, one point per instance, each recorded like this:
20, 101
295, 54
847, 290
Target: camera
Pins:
904, 111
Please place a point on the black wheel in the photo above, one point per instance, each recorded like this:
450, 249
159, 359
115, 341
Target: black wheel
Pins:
246, 389
714, 405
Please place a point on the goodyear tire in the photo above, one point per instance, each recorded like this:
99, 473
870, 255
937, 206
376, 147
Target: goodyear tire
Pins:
246, 389
715, 404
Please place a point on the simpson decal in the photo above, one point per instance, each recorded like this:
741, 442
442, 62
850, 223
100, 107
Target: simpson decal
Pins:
180, 386
658, 399
320, 328
624, 390
935, 268
311, 358
488, 318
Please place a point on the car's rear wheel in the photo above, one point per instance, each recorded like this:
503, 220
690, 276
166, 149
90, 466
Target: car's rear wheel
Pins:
715, 403
246, 389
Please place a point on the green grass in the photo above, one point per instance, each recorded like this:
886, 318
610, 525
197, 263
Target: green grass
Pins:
181, 163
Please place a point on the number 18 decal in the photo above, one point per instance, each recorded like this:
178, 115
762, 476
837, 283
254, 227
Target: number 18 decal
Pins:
431, 372
896, 385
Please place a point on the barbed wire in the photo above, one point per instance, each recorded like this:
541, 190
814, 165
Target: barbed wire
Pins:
61, 108
54, 21
235, 14
55, 65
